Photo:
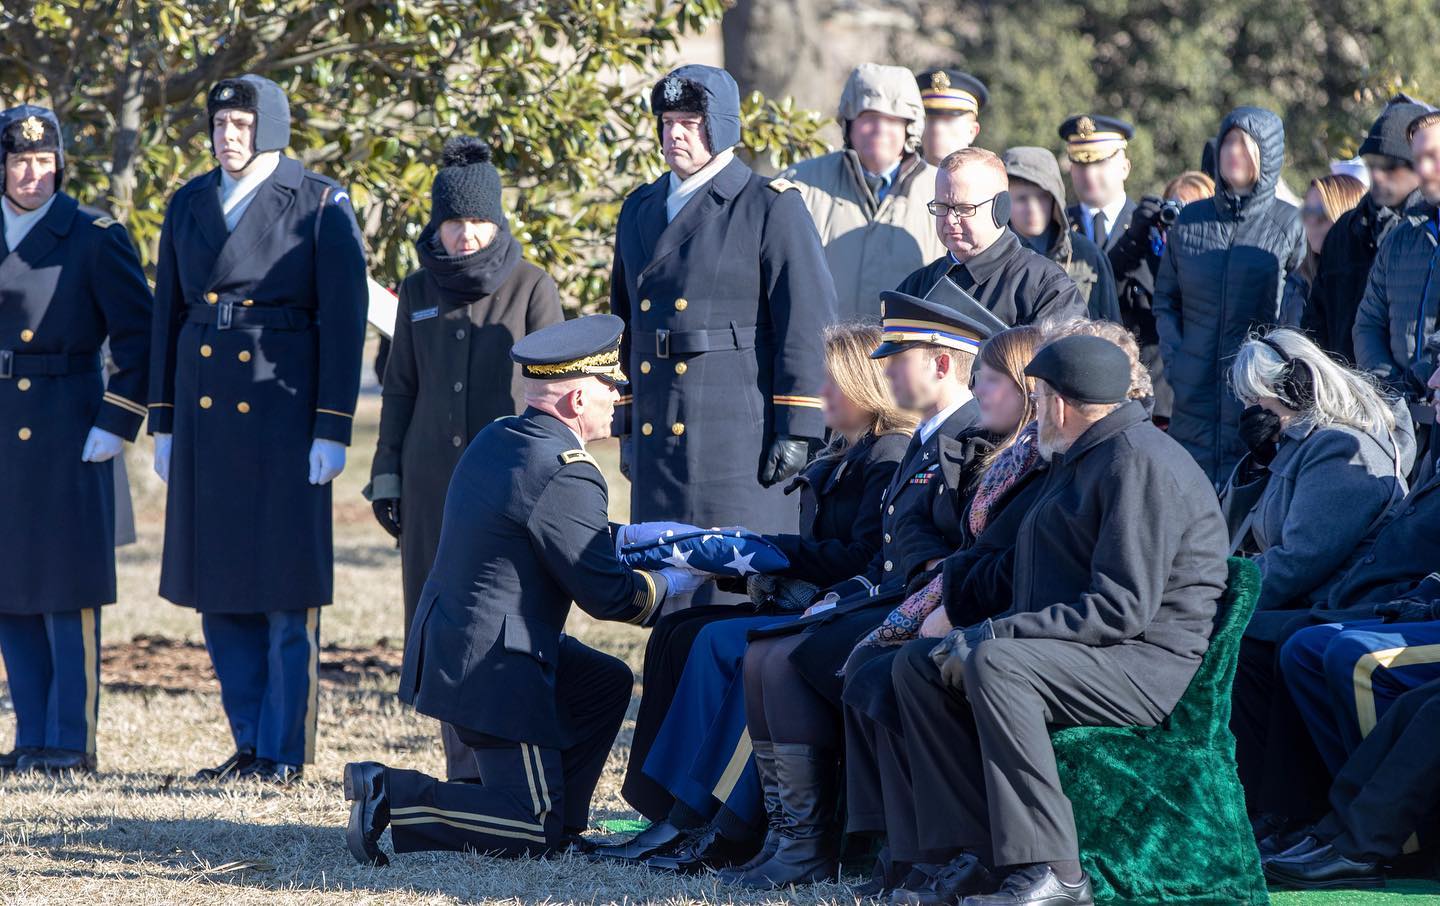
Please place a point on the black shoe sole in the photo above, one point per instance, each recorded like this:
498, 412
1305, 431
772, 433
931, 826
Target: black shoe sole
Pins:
358, 796
1336, 883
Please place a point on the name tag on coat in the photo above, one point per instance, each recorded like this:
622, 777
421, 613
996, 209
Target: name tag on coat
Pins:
424, 314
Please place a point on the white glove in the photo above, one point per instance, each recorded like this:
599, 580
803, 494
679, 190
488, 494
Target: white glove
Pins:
645, 532
101, 446
162, 456
681, 583
327, 460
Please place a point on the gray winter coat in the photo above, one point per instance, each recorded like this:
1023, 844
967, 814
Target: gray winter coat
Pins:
1397, 313
1327, 487
1221, 276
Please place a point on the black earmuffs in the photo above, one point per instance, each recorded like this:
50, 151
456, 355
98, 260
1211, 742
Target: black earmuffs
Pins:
1000, 209
1296, 387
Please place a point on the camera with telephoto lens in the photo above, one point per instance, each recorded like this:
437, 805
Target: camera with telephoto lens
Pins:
1169, 212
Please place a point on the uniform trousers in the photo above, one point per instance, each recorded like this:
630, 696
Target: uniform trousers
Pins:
526, 797
981, 764
1386, 797
52, 663
1344, 676
268, 667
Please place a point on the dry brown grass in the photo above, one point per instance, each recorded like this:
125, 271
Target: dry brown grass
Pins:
140, 833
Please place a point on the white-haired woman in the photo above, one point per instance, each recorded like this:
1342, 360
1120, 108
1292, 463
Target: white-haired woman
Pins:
1327, 457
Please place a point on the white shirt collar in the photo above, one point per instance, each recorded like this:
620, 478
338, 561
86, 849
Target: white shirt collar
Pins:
236, 194
18, 224
1111, 210
928, 427
682, 190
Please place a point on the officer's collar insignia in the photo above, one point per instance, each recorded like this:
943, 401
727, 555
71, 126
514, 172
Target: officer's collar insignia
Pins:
939, 81
673, 90
226, 93
32, 129
1085, 126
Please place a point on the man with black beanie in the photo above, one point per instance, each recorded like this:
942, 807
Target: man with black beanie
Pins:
1349, 248
1119, 567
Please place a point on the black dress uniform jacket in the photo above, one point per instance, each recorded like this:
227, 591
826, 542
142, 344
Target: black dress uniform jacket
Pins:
72, 282
449, 375
723, 308
1017, 285
1124, 548
920, 522
525, 533
255, 353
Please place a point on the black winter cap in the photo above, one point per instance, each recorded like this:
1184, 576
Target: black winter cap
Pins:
468, 185
1388, 135
1083, 369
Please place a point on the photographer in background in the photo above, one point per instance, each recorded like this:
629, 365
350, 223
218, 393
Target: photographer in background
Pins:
1135, 259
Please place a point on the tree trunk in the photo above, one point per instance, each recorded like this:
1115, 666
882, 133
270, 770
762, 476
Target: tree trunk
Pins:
130, 92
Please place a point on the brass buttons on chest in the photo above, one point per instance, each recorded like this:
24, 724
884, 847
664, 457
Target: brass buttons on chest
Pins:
23, 384
647, 429
205, 350
889, 566
644, 304
23, 433
242, 407
206, 402
248, 302
644, 367
681, 368
681, 305
244, 355
677, 429
212, 298
27, 335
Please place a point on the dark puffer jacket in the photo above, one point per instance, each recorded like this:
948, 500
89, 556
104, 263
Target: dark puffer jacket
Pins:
1221, 276
1397, 315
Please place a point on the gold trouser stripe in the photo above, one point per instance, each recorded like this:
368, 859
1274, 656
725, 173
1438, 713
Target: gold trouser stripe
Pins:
540, 775
123, 403
1363, 678
530, 778
334, 412
494, 832
738, 759
312, 695
473, 817
90, 632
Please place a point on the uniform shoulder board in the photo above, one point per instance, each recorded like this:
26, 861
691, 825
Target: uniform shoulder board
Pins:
570, 456
780, 185
103, 222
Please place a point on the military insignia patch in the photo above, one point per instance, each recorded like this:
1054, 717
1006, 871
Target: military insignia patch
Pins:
105, 222
780, 185
939, 81
570, 456
226, 93
673, 90
341, 196
1085, 126
32, 129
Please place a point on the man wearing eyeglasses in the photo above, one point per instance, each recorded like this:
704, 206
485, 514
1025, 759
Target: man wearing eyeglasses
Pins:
1350, 246
983, 255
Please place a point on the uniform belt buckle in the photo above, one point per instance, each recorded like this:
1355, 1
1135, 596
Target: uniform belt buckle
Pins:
662, 344
223, 316
7, 364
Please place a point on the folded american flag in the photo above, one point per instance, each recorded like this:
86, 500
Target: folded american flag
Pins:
723, 552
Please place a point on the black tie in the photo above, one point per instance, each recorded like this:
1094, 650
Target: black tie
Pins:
1100, 228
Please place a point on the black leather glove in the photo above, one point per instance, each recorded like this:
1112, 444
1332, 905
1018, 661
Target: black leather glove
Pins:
785, 457
626, 452
387, 513
1421, 605
1260, 430
955, 649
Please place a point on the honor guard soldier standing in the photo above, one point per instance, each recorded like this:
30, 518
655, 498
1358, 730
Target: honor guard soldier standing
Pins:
953, 101
525, 533
1099, 167
721, 280
69, 279
259, 321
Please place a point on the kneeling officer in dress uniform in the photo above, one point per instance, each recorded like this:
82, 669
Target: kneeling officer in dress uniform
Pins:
524, 533
68, 280
260, 306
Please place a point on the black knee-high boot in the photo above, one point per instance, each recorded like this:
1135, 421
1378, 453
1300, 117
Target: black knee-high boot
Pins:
807, 781
763, 752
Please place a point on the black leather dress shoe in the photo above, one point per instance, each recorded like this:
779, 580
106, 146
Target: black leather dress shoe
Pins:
709, 849
369, 811
229, 769
56, 761
1324, 867
884, 878
1307, 845
267, 771
1282, 841
658, 837
10, 761
949, 884
1036, 885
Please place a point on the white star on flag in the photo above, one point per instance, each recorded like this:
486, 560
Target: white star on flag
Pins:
678, 559
741, 564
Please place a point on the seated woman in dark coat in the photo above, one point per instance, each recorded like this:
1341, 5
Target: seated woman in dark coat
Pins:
839, 498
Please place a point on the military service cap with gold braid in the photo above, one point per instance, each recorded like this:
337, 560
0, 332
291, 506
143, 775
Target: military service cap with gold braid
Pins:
588, 346
1090, 137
